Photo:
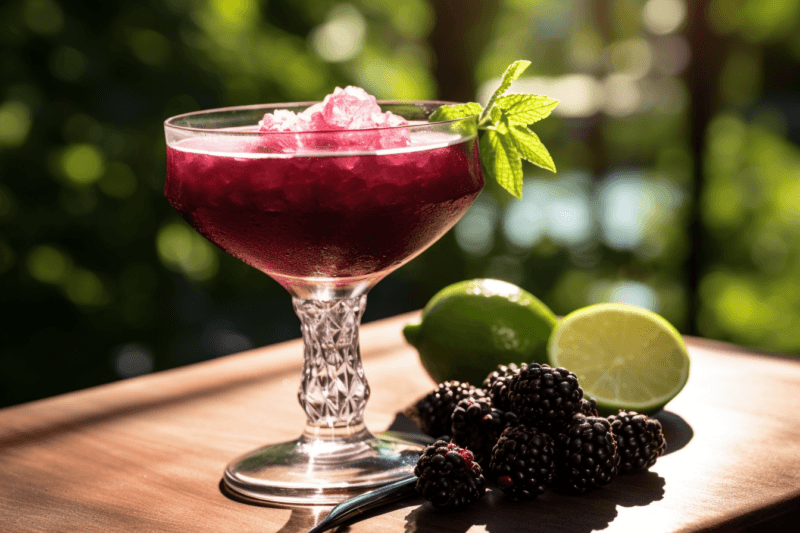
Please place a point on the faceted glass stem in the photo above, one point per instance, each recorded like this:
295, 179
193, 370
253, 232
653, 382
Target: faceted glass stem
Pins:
333, 391
335, 458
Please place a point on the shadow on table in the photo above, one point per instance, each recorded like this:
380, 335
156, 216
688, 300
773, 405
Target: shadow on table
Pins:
677, 432
552, 510
303, 519
549, 511
300, 519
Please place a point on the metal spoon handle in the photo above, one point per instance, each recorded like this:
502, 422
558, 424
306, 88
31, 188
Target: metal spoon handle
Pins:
366, 502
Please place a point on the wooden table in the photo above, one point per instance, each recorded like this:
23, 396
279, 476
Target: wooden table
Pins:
147, 454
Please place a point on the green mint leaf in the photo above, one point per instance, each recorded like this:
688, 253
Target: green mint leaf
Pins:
530, 148
512, 73
504, 137
501, 160
496, 114
452, 112
525, 109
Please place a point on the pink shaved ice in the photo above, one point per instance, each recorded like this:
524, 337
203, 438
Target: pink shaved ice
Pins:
350, 117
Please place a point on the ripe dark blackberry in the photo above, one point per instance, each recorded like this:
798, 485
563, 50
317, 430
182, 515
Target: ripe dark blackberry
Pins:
477, 424
496, 385
433, 412
588, 407
544, 397
586, 455
640, 440
523, 462
448, 476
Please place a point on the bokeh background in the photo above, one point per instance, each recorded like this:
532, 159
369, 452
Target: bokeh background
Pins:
676, 142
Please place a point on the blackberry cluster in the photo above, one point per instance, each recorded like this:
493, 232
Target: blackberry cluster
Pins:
448, 476
545, 397
530, 428
477, 424
640, 440
586, 455
523, 462
434, 411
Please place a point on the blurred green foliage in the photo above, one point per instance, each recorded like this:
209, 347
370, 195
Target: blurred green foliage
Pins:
752, 207
101, 280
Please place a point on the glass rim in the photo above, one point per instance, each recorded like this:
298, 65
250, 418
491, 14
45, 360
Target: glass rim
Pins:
168, 123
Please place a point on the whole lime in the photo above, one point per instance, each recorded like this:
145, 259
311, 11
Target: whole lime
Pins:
471, 327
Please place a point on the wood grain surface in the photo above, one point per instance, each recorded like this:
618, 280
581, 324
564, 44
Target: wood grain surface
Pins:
147, 454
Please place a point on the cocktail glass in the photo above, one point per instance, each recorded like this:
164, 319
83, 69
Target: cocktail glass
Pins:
327, 219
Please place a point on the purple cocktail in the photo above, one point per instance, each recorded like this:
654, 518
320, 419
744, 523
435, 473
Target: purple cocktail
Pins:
346, 219
327, 202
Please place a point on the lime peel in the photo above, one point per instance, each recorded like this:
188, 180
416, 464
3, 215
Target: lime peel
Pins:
471, 327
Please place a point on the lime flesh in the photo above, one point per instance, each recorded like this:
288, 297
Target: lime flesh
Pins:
471, 327
625, 357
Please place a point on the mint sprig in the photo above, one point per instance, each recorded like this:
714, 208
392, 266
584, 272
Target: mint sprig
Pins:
504, 136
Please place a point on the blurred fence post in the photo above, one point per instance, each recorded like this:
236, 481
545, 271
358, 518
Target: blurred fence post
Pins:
461, 31
702, 78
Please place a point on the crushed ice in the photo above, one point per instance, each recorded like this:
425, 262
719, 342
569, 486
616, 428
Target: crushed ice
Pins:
341, 114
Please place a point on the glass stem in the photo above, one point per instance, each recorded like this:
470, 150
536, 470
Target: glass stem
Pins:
333, 391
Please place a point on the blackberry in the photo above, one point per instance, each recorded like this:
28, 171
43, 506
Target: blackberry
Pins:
544, 397
448, 477
477, 424
640, 440
586, 455
588, 407
496, 385
523, 462
433, 412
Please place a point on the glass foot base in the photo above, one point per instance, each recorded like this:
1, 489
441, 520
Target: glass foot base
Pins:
312, 471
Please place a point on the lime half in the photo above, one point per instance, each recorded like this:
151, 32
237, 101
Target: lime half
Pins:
625, 357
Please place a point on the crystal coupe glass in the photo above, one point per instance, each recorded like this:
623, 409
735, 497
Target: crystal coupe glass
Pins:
327, 219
